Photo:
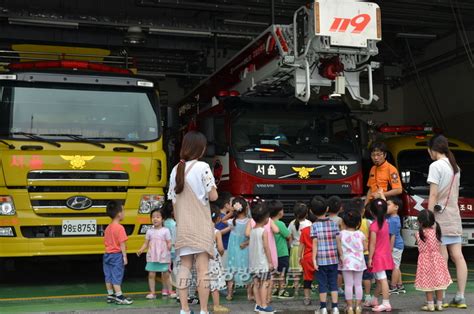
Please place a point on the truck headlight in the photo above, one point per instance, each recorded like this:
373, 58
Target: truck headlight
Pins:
7, 232
7, 207
144, 229
150, 202
410, 223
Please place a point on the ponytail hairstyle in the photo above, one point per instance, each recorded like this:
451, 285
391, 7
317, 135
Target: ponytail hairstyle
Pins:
193, 146
378, 207
426, 219
301, 212
240, 205
215, 213
440, 144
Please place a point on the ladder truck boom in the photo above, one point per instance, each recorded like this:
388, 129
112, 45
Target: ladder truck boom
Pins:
329, 44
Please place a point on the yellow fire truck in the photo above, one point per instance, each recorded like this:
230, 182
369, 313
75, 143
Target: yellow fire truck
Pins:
75, 134
407, 147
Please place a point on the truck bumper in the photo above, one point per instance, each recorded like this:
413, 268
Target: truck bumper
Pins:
38, 232
20, 246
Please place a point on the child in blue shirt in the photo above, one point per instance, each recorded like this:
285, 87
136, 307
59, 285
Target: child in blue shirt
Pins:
394, 204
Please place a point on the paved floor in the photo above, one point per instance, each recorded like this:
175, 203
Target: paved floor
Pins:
48, 286
408, 303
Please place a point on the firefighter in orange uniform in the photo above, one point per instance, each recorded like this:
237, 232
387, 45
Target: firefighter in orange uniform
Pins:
383, 175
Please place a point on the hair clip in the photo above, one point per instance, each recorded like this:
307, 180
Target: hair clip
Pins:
238, 207
182, 161
213, 215
257, 199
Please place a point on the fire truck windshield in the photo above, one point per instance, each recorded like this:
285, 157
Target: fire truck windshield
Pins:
295, 131
418, 163
60, 110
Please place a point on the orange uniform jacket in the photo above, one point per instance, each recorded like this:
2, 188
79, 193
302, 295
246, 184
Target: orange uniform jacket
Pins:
382, 177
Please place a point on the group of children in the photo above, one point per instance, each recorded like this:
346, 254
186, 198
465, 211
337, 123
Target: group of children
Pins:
326, 241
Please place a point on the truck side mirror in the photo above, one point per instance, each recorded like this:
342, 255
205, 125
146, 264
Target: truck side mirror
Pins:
406, 177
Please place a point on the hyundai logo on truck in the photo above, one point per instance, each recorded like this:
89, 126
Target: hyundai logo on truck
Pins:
79, 202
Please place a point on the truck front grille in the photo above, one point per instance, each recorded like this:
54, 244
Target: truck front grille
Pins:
468, 223
62, 203
71, 175
58, 208
56, 231
79, 189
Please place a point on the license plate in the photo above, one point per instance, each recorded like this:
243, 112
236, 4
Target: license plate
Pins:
465, 238
79, 227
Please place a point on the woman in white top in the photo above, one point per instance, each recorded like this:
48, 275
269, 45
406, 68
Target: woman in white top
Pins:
444, 180
191, 188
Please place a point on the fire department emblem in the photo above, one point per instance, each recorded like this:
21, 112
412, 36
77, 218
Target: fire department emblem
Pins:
77, 161
303, 172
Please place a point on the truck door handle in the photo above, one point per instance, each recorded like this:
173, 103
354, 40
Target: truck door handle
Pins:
31, 147
123, 149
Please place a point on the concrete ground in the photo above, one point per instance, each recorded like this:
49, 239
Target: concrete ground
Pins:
409, 303
49, 286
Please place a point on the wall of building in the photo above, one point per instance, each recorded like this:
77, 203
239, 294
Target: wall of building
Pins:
449, 85
393, 100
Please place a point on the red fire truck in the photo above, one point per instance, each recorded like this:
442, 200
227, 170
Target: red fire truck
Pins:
276, 116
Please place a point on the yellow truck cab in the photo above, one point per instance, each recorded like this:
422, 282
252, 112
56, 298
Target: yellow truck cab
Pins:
408, 152
73, 136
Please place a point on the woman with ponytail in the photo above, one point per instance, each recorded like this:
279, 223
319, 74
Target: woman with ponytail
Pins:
444, 180
191, 188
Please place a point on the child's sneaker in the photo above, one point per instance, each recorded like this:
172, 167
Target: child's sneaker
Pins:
172, 294
374, 302
285, 294
393, 290
307, 301
349, 310
220, 309
428, 308
439, 308
164, 293
358, 310
193, 300
151, 296
323, 311
122, 300
340, 292
257, 308
267, 309
335, 310
382, 308
458, 302
401, 289
111, 298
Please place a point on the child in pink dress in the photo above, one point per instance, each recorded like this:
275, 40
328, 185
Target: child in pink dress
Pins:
428, 278
158, 257
380, 254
